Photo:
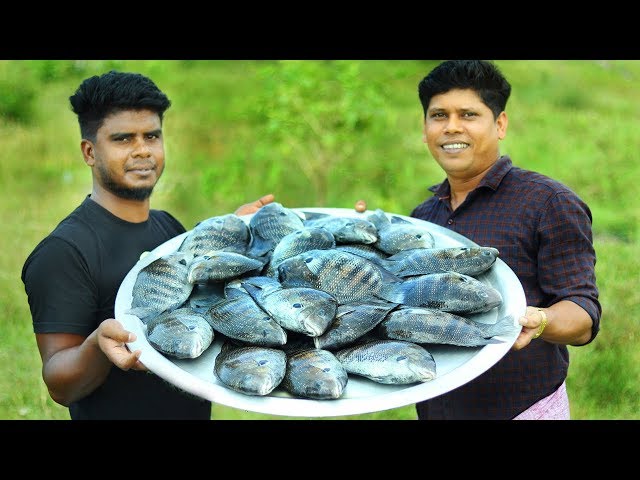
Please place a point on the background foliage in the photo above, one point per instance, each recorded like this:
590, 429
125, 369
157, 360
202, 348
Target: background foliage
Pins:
326, 133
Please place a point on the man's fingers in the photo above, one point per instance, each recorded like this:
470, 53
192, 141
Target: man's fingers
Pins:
361, 206
266, 199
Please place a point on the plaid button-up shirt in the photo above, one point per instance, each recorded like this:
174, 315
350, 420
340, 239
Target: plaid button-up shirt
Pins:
543, 233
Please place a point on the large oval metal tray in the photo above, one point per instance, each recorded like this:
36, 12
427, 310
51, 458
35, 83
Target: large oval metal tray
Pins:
455, 365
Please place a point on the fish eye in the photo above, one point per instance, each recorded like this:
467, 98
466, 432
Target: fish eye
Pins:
191, 327
326, 369
419, 236
401, 358
297, 305
308, 260
263, 362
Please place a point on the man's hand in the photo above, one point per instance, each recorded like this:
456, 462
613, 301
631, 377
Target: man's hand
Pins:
531, 323
112, 340
253, 207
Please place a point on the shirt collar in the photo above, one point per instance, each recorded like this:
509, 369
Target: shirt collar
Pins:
491, 180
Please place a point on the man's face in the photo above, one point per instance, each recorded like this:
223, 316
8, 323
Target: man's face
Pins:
462, 134
128, 155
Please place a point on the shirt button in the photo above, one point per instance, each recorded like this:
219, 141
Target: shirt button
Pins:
450, 222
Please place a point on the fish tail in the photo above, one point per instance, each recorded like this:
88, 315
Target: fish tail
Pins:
503, 326
143, 313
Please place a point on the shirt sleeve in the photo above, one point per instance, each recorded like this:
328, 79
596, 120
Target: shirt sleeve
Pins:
566, 255
60, 289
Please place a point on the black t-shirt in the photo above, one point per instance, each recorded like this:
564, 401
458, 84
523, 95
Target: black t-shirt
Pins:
72, 278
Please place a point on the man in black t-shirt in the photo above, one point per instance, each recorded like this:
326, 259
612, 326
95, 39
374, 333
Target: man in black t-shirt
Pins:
73, 275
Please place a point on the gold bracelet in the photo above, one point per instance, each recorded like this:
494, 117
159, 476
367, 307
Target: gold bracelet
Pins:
543, 324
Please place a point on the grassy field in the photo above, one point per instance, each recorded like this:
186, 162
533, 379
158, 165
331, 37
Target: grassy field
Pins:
327, 133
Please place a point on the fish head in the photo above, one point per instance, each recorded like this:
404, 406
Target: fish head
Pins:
476, 292
294, 272
357, 230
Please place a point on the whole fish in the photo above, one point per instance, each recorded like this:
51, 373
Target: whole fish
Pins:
420, 261
303, 240
449, 291
298, 309
393, 362
161, 286
346, 276
224, 232
351, 322
252, 370
344, 229
216, 266
397, 234
314, 373
427, 325
180, 333
268, 226
240, 318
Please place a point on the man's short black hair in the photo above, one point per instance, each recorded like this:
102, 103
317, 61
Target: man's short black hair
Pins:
100, 96
482, 76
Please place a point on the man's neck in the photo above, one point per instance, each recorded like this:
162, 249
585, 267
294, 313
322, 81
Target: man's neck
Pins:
134, 211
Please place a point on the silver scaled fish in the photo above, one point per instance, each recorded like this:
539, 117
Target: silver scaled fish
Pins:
314, 373
393, 362
421, 261
397, 234
239, 317
346, 276
352, 321
181, 333
217, 266
344, 229
251, 370
161, 286
427, 325
224, 232
450, 291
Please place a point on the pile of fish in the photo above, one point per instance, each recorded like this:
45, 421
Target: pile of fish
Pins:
302, 300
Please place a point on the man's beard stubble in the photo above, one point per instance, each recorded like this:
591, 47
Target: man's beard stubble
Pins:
125, 193
129, 193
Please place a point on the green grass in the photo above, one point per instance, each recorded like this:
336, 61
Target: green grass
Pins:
576, 121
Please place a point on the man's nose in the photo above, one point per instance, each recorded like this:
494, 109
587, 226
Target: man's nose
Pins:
454, 124
140, 147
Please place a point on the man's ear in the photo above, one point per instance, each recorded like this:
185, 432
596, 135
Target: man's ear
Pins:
88, 152
501, 123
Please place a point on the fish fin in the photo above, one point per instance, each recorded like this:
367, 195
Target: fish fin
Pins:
254, 291
391, 292
399, 220
387, 275
379, 219
315, 215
